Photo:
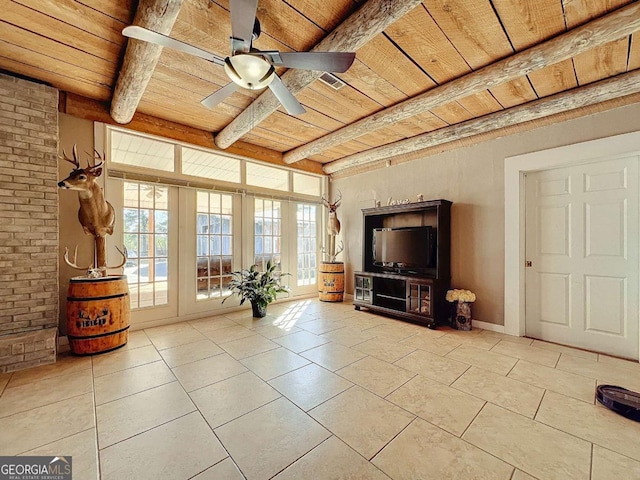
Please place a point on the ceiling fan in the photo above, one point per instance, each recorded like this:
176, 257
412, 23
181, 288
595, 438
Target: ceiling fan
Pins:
248, 67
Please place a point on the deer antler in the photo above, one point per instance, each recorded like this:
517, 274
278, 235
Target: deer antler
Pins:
96, 156
75, 161
72, 263
124, 258
337, 202
325, 202
332, 258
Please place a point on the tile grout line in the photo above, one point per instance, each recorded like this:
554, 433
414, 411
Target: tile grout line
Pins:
306, 453
149, 429
398, 388
574, 435
22, 412
591, 461
6, 384
473, 420
213, 429
539, 405
95, 421
370, 460
482, 449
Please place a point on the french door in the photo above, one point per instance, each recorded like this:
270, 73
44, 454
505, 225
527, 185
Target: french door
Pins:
184, 243
147, 226
210, 248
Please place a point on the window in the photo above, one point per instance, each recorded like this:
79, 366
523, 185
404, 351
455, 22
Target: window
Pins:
267, 221
146, 227
306, 184
214, 249
307, 247
199, 163
144, 152
267, 177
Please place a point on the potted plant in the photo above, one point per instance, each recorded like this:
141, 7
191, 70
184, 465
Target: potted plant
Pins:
260, 288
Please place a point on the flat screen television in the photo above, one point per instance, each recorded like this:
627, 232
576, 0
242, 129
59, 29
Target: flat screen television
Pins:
405, 250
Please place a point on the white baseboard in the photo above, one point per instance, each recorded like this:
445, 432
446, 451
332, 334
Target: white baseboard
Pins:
492, 327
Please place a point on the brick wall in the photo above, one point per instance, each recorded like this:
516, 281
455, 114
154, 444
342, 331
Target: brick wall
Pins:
28, 223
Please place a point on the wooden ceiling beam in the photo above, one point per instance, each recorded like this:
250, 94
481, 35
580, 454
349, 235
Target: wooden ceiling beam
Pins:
614, 26
140, 58
605, 90
364, 24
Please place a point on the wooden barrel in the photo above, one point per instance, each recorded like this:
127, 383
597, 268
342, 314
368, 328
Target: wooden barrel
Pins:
331, 281
97, 314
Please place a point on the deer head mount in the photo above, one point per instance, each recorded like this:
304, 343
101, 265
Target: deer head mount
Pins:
333, 226
96, 215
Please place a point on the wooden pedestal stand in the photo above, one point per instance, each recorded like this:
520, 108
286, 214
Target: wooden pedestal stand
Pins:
331, 281
97, 314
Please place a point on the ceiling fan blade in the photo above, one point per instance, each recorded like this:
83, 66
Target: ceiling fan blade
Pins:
217, 97
141, 33
285, 97
337, 62
243, 15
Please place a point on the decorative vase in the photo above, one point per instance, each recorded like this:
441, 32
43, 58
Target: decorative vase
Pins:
259, 310
463, 316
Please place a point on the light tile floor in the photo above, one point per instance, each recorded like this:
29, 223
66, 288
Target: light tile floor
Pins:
320, 391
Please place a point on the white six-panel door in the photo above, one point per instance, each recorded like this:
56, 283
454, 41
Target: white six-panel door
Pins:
582, 242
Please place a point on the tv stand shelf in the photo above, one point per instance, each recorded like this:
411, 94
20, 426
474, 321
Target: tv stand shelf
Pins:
412, 297
419, 298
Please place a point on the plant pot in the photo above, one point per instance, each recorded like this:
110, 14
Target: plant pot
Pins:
259, 310
463, 316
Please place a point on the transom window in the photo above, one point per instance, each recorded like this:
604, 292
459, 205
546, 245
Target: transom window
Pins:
137, 151
268, 177
198, 163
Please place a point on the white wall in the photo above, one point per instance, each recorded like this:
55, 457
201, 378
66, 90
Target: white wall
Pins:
473, 179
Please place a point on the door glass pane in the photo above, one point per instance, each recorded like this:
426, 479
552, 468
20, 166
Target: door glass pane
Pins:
266, 240
307, 243
146, 223
214, 242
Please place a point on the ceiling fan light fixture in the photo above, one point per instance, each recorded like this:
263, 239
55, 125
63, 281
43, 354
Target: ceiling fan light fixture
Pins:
249, 71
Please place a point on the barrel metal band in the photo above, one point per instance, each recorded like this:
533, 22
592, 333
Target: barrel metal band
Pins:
93, 299
97, 280
85, 337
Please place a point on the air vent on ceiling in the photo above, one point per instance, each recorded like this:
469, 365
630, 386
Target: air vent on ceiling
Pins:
331, 80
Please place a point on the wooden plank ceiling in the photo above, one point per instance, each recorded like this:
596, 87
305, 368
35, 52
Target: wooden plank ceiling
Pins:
77, 47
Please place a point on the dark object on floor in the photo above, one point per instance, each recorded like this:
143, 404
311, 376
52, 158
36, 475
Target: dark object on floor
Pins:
620, 400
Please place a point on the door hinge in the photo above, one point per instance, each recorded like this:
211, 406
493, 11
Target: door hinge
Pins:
528, 263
